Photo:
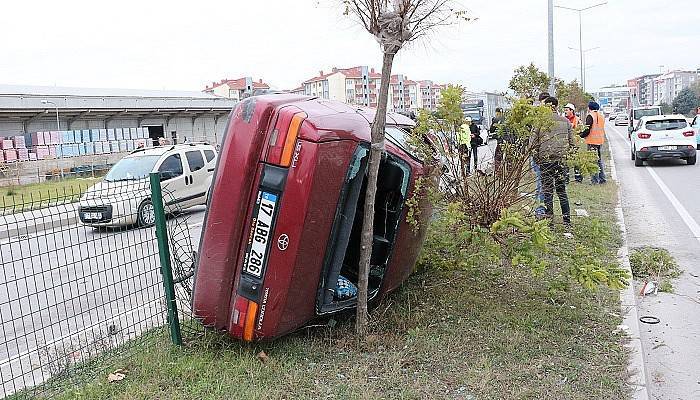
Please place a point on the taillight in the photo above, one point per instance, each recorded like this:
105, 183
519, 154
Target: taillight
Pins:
689, 133
244, 313
284, 137
643, 135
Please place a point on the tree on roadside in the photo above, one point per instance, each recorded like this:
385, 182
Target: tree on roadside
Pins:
666, 108
686, 101
393, 23
528, 81
572, 93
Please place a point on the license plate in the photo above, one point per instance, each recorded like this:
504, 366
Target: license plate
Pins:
667, 147
261, 229
93, 215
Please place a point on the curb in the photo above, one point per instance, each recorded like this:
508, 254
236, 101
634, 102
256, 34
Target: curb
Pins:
29, 222
636, 366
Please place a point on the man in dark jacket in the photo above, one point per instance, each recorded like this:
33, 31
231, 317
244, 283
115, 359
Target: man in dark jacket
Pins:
551, 148
502, 137
474, 142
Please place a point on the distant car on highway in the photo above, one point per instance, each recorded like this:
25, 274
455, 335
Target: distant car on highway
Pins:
663, 137
621, 119
123, 197
695, 124
612, 116
281, 240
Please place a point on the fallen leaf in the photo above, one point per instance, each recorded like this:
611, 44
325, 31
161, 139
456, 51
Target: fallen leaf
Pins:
263, 357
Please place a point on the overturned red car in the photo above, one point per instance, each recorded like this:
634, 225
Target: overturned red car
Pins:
281, 240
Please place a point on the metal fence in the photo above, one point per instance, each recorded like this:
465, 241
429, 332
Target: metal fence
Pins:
77, 293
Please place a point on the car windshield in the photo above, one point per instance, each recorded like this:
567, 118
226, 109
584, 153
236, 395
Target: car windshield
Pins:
646, 112
132, 168
666, 125
400, 138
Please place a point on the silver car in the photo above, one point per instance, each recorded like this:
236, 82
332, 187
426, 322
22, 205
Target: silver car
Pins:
622, 119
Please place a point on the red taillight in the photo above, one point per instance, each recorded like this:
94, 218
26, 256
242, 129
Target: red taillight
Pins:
689, 133
244, 313
284, 136
643, 135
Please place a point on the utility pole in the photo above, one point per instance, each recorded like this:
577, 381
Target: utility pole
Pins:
550, 26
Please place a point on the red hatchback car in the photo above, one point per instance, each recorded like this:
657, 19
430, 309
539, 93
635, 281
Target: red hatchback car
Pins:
281, 240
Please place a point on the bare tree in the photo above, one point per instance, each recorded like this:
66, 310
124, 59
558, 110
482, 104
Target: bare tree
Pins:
393, 23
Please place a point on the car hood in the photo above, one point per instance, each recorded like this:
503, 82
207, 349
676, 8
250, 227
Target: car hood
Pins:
119, 190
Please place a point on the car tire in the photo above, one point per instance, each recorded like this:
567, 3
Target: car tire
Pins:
692, 160
638, 162
146, 214
634, 155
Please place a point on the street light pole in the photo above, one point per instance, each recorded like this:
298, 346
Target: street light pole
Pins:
550, 28
58, 122
580, 35
583, 64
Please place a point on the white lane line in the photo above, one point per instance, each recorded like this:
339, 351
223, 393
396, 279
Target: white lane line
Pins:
684, 214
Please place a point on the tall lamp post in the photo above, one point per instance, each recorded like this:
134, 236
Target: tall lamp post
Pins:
550, 44
583, 64
580, 31
58, 122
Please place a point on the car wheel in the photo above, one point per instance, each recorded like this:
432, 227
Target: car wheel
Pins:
638, 162
691, 160
634, 155
147, 214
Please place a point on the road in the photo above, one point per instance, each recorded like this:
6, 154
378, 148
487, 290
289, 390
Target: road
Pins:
661, 208
70, 292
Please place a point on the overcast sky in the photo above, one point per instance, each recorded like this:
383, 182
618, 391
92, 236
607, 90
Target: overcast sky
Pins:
151, 44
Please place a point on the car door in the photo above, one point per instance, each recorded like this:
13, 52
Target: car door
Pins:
196, 179
696, 127
172, 177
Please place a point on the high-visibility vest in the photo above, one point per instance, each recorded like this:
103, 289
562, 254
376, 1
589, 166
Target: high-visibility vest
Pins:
597, 133
464, 136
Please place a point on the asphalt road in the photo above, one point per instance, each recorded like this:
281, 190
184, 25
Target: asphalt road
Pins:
661, 208
70, 292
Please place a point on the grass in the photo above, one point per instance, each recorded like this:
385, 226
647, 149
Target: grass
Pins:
653, 263
36, 194
486, 333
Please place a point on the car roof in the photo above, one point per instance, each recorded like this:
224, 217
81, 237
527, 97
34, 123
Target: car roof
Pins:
160, 150
662, 117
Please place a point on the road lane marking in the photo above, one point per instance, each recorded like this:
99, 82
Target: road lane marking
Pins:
682, 212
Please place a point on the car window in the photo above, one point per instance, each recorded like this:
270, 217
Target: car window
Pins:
171, 167
646, 112
132, 168
195, 160
400, 138
209, 154
665, 125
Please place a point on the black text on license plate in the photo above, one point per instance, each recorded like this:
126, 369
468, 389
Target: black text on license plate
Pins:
260, 234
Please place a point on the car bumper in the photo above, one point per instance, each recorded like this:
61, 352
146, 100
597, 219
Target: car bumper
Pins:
656, 154
104, 215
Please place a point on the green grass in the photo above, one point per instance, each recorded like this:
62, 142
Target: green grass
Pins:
37, 194
489, 333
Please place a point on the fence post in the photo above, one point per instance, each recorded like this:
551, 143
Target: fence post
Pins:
164, 251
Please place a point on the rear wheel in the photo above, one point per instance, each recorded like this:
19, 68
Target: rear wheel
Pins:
633, 154
691, 160
147, 214
638, 162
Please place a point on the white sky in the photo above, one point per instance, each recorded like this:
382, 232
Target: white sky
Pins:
154, 44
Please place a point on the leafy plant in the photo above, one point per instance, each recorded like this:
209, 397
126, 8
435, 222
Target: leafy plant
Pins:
653, 262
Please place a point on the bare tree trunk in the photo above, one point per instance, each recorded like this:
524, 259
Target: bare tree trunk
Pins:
375, 157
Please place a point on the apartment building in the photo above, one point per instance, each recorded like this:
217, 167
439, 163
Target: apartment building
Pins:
235, 89
642, 89
668, 85
360, 85
613, 96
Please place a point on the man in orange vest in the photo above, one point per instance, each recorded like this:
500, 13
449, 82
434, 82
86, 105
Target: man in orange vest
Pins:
594, 135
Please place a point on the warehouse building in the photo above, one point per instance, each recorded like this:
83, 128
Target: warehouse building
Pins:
174, 115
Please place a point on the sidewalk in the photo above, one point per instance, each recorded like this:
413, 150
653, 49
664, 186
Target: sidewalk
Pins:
29, 222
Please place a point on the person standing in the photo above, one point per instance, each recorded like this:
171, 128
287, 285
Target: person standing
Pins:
570, 114
502, 137
551, 148
475, 141
464, 144
594, 135
540, 210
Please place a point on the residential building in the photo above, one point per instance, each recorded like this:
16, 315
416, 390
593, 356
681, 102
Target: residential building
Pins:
668, 85
642, 90
616, 97
236, 89
360, 86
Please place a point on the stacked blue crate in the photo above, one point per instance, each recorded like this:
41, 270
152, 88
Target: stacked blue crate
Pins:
118, 135
110, 134
103, 135
127, 133
81, 149
123, 146
86, 136
89, 148
99, 148
77, 136
130, 145
113, 146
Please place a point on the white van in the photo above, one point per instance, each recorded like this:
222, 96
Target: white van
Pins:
123, 197
638, 112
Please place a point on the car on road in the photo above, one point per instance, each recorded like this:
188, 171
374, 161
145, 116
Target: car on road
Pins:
663, 137
621, 119
637, 113
612, 116
695, 124
123, 197
281, 240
